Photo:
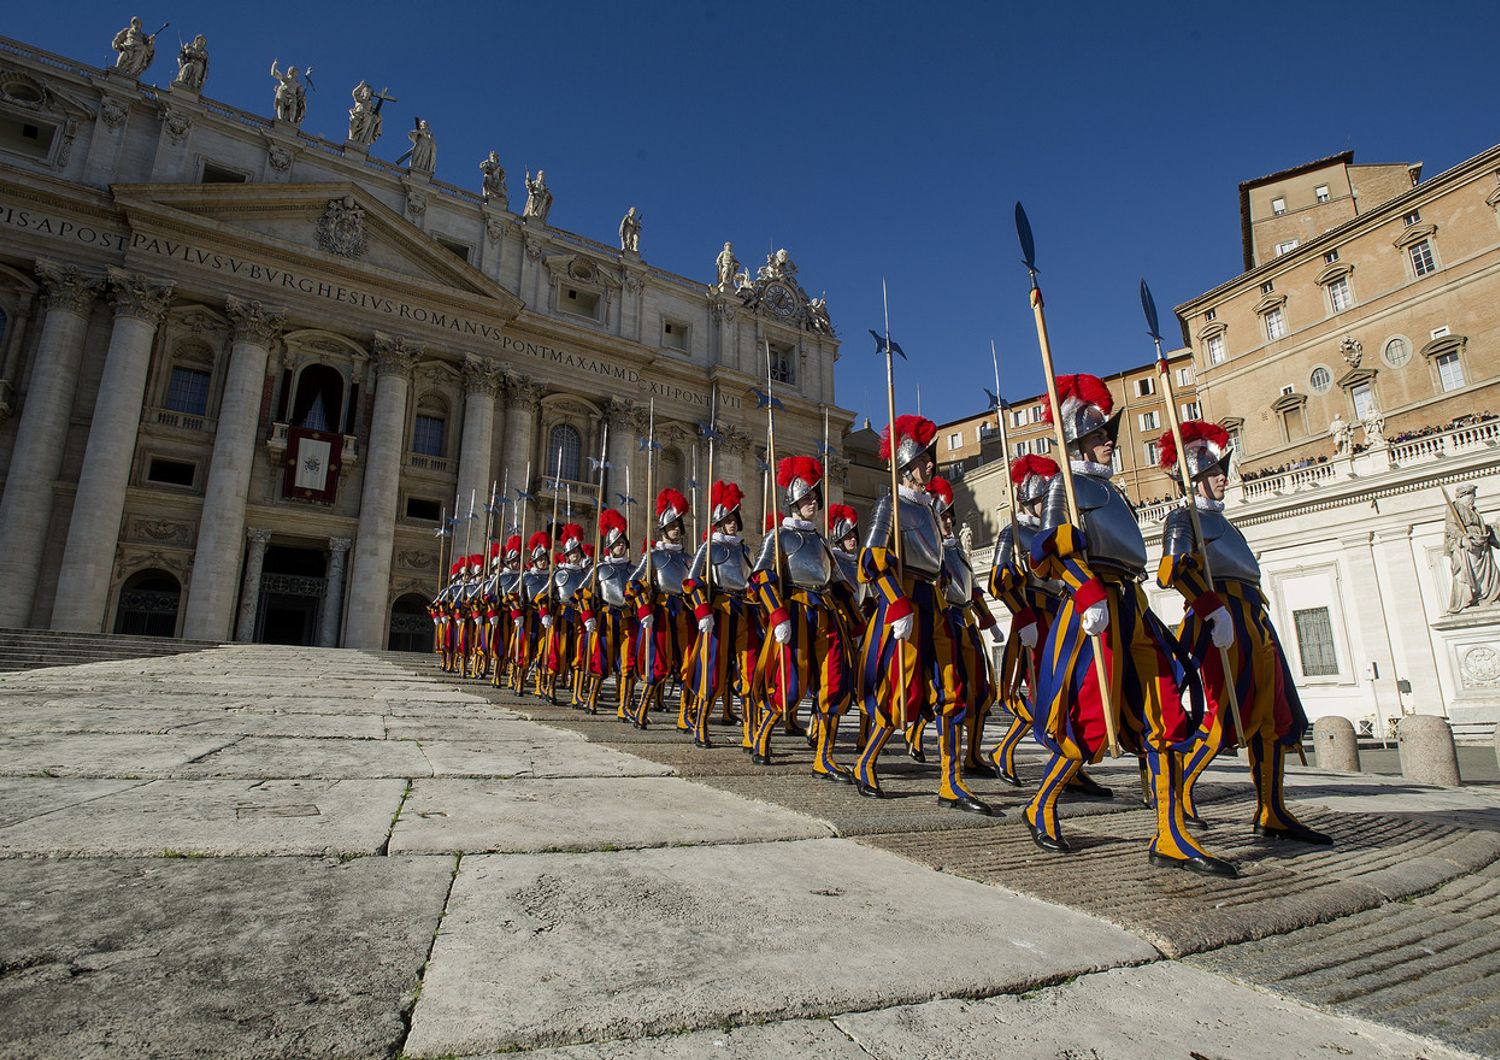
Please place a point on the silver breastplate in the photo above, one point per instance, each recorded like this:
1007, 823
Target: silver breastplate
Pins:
808, 563
731, 565
508, 581
532, 585
669, 569
1114, 538
1228, 552
568, 580
1050, 586
958, 586
848, 567
921, 539
613, 578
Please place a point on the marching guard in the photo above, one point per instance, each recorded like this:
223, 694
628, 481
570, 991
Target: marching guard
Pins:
526, 628
723, 657
1230, 614
559, 612
506, 582
1100, 556
608, 620
656, 588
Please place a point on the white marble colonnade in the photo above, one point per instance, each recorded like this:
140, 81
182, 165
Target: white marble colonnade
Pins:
369, 591
221, 527
89, 554
41, 436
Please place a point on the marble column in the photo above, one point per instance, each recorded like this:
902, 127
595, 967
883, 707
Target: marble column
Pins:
41, 436
521, 397
256, 541
481, 384
221, 527
619, 413
94, 531
333, 596
369, 593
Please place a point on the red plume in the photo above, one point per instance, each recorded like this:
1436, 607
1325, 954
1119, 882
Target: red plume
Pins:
726, 495
540, 539
588, 550
770, 520
671, 498
838, 513
803, 467
609, 519
918, 427
570, 532
940, 487
1192, 431
494, 549
513, 543
1022, 466
1089, 389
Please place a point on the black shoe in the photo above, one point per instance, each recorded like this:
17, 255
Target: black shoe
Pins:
795, 730
836, 777
980, 769
1083, 784
968, 804
1193, 820
701, 743
915, 753
1010, 778
1046, 842
760, 759
1297, 833
730, 719
869, 791
1206, 866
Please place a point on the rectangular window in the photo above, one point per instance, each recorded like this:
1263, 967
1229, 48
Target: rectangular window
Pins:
579, 303
1216, 349
1235, 436
427, 436
215, 174
424, 510
1363, 395
1284, 247
1321, 193
674, 335
1288, 389
1211, 315
1150, 421
1185, 375
1438, 333
955, 441
1421, 258
1330, 257
457, 249
1192, 410
1450, 371
1278, 206
1145, 387
1021, 448
1293, 424
784, 364
1412, 218
1338, 294
187, 391
1018, 418
1268, 287
170, 472
1315, 642
1036, 413
1118, 460
1152, 452
1044, 445
1275, 324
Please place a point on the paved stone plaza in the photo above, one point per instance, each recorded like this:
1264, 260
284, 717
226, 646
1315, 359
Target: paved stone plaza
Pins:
288, 852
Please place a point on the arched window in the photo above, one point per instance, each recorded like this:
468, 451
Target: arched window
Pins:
564, 439
319, 402
148, 604
429, 428
411, 628
1320, 380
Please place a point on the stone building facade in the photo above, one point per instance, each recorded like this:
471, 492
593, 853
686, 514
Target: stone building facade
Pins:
244, 370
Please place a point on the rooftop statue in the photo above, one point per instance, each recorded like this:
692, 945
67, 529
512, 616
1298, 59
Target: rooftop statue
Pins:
192, 64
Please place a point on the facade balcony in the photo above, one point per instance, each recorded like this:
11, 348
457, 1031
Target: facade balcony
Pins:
276, 442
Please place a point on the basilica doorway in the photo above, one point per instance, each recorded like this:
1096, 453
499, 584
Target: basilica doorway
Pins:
292, 585
148, 604
411, 625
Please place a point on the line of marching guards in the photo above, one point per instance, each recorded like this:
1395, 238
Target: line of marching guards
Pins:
824, 613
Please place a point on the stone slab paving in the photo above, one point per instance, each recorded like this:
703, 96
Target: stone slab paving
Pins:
60, 717
104, 754
591, 813
171, 957
206, 818
553, 948
1430, 964
26, 798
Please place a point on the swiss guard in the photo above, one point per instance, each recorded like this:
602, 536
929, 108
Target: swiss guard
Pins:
656, 588
608, 622
1230, 614
910, 645
1100, 558
505, 588
559, 609
525, 621
723, 658
807, 615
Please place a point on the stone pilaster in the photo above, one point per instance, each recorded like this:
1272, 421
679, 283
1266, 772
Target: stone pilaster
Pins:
619, 413
482, 379
94, 531
221, 529
256, 541
42, 435
333, 597
369, 594
521, 397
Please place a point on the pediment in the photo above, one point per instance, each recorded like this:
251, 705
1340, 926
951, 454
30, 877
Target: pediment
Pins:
337, 226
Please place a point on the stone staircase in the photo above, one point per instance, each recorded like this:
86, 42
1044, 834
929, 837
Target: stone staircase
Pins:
31, 649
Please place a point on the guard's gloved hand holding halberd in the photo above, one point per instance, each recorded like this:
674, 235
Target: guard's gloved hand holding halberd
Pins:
1095, 618
706, 624
546, 621
1027, 635
1221, 628
902, 627
782, 631
589, 625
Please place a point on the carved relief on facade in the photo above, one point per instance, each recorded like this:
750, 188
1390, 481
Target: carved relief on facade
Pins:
416, 559
160, 531
1479, 666
341, 229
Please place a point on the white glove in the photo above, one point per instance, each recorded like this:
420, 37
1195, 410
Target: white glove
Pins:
516, 622
1027, 635
436, 621
648, 622
590, 625
901, 628
996, 634
782, 632
1095, 619
706, 624
1221, 628
546, 621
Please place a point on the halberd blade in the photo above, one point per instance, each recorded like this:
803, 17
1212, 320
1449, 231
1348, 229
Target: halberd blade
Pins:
1149, 305
1028, 243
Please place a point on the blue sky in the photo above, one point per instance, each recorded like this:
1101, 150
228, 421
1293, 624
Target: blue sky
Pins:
877, 139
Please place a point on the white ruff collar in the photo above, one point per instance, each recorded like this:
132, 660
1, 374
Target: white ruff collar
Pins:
791, 522
1028, 520
726, 539
921, 496
1207, 505
669, 546
1088, 467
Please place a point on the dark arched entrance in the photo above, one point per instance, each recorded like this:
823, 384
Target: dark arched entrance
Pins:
148, 604
411, 625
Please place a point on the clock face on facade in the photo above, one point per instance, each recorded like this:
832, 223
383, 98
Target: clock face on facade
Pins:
780, 300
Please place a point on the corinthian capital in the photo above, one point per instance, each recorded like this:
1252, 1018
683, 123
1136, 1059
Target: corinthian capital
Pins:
254, 321
67, 286
481, 376
395, 355
134, 295
522, 390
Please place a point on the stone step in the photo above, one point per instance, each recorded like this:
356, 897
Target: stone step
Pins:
32, 649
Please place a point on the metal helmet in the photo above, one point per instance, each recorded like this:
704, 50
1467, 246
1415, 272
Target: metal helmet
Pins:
1087, 406
799, 476
915, 436
724, 501
539, 545
942, 494
512, 548
1031, 475
671, 506
611, 527
571, 538
842, 521
1206, 448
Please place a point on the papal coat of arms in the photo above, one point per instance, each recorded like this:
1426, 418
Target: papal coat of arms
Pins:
341, 229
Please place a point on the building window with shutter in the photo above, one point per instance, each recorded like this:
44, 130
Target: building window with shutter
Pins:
1422, 261
1315, 642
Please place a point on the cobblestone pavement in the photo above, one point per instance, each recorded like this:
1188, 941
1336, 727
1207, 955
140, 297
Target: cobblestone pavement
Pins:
283, 852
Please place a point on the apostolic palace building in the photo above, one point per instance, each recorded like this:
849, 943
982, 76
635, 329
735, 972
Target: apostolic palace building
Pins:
247, 370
